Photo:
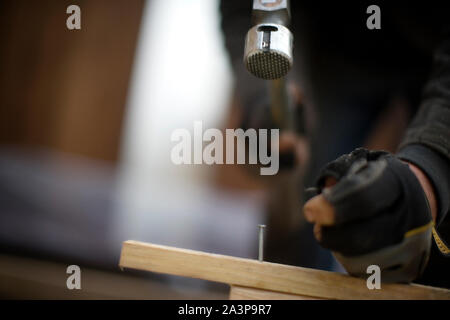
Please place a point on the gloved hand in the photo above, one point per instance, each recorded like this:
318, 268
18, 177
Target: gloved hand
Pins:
375, 213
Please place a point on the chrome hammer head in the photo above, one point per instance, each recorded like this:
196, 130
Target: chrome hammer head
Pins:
269, 44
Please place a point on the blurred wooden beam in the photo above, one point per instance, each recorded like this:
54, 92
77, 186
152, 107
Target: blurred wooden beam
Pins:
66, 89
263, 275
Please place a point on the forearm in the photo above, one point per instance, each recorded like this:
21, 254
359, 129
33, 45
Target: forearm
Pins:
427, 141
431, 126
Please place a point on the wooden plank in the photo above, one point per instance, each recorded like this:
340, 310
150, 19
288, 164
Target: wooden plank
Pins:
243, 293
264, 275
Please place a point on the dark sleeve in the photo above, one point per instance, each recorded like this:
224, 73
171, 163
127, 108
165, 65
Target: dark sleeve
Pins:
427, 140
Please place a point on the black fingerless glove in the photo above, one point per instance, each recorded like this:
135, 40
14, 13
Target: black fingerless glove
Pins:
382, 215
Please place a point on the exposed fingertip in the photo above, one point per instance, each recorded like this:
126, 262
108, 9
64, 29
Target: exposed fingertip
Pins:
308, 214
317, 232
323, 211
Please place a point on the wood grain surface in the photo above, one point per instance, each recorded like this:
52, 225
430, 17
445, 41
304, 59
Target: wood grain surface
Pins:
264, 275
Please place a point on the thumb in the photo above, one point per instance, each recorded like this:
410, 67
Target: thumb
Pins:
319, 210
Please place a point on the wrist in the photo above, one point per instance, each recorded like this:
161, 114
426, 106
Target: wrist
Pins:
427, 188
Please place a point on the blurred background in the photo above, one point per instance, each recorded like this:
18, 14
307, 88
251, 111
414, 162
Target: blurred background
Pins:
86, 118
85, 124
